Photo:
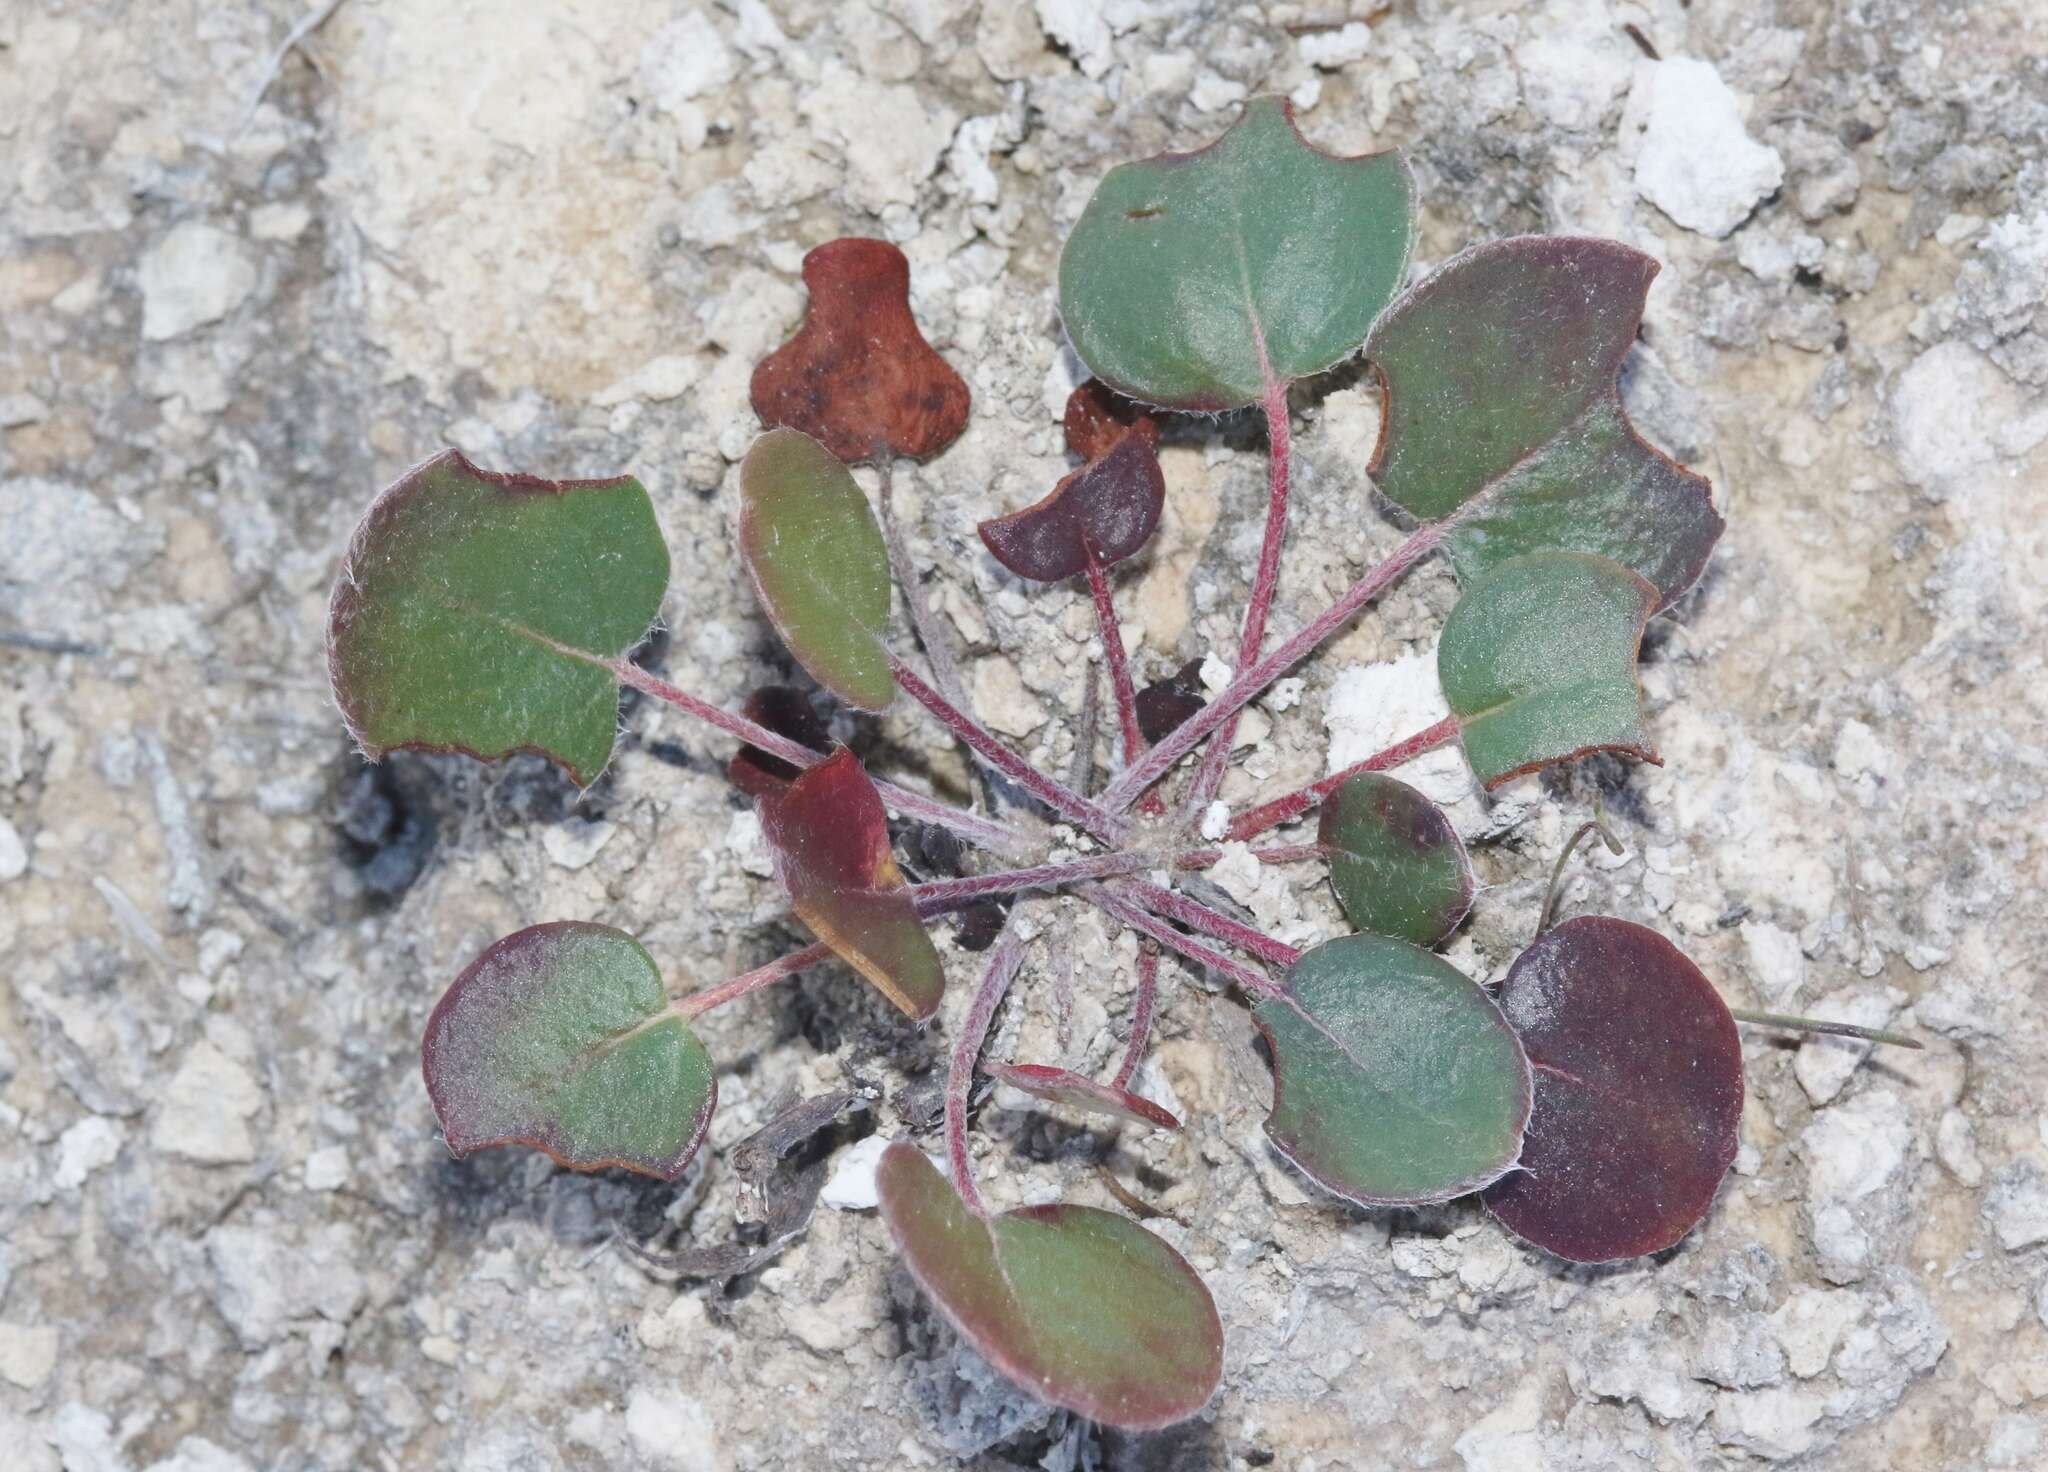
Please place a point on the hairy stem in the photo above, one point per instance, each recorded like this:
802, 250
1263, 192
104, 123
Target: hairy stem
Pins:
1279, 853
1212, 923
1002, 966
1055, 795
1831, 1029
1265, 583
1294, 804
699, 1002
1113, 655
1143, 1001
943, 894
1248, 977
970, 826
1247, 685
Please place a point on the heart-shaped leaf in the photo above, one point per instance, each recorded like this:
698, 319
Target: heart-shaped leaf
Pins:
1396, 1080
474, 613
830, 837
1638, 1092
1083, 1308
1538, 663
1397, 865
1503, 413
858, 375
561, 1037
788, 713
1107, 509
1196, 280
815, 553
1077, 1091
1097, 417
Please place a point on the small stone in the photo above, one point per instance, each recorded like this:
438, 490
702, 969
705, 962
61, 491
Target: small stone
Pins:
1954, 412
1810, 1323
1002, 700
671, 1430
1081, 31
1740, 1353
1774, 960
1853, 1152
659, 379
267, 1278
327, 1169
195, 275
197, 1454
84, 1148
206, 1109
28, 1353
441, 1349
574, 843
686, 59
1215, 821
1335, 49
1955, 1146
852, 1186
13, 853
1775, 1425
2017, 1206
1697, 162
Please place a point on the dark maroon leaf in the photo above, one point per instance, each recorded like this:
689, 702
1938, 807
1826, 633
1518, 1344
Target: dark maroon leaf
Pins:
788, 713
1109, 508
1165, 705
858, 376
1098, 416
1638, 1074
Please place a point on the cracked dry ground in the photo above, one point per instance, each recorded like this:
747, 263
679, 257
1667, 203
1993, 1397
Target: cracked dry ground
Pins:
559, 235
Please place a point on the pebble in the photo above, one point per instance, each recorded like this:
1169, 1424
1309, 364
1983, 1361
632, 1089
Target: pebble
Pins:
1697, 162
206, 1109
196, 274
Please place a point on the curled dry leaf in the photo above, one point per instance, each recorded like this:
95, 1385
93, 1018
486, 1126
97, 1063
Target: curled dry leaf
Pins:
1638, 1072
1083, 1308
561, 1037
1503, 413
859, 376
1108, 509
1166, 705
815, 554
787, 712
1098, 416
1076, 1091
1396, 1080
1198, 280
830, 837
1396, 863
463, 619
1538, 663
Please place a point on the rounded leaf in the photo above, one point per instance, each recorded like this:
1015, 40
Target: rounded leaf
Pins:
1107, 509
830, 836
859, 376
1097, 417
1083, 1308
1638, 1072
1195, 280
1396, 1080
561, 1037
1076, 1091
475, 611
1396, 863
1503, 413
815, 554
1538, 663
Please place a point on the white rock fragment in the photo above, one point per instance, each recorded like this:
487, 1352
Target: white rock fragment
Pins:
686, 59
1853, 1152
1955, 1146
672, 1430
669, 376
1954, 413
1775, 1425
28, 1353
1213, 92
1773, 959
13, 853
574, 843
206, 1109
851, 1186
1215, 821
87, 1146
1811, 1322
1079, 27
2017, 1205
196, 274
327, 1169
266, 1279
1697, 162
197, 1454
1002, 700
1629, 1367
1333, 49
84, 1439
1574, 60
891, 140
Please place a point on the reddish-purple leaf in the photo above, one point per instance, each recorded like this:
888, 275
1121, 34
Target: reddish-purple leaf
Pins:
1079, 1092
1638, 1075
830, 837
1098, 416
786, 712
562, 1037
1109, 508
1083, 1308
1164, 706
859, 376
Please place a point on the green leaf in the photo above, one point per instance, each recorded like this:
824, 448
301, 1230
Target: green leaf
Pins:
816, 556
1538, 662
1083, 1308
1396, 1080
1504, 415
560, 1037
474, 613
1184, 267
830, 836
1398, 866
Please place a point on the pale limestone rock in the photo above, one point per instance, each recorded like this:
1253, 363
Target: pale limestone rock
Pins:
206, 1109
670, 1429
1696, 161
195, 275
28, 1353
